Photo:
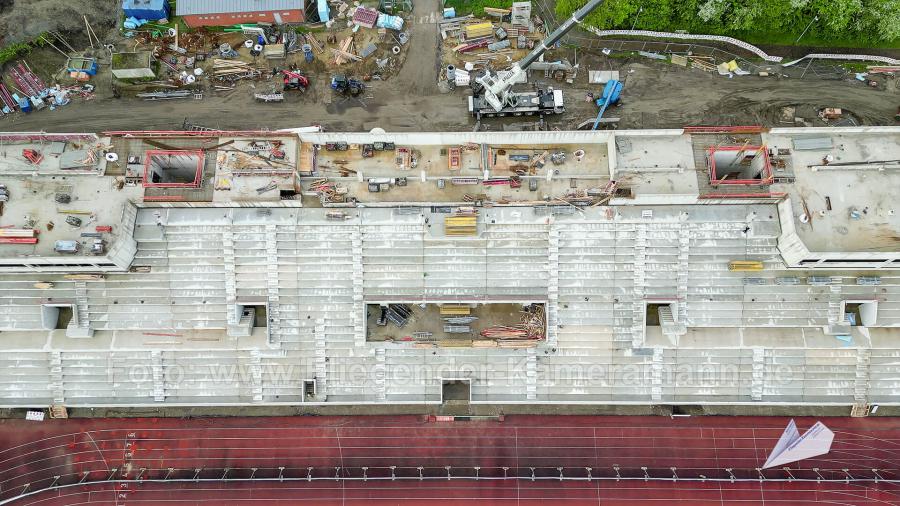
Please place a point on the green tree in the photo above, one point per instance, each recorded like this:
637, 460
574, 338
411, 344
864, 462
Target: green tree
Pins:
611, 14
835, 16
881, 20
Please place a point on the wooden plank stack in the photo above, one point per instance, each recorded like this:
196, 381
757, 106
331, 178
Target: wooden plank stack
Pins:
18, 236
461, 226
702, 63
343, 54
455, 310
234, 69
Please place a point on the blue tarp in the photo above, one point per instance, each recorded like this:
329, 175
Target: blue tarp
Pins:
151, 10
323, 10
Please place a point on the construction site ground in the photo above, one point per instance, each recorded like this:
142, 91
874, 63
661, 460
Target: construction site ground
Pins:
656, 95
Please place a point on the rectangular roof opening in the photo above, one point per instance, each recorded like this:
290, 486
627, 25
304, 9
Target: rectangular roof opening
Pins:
173, 169
739, 165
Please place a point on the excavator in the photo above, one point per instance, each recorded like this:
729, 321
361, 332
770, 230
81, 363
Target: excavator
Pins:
493, 96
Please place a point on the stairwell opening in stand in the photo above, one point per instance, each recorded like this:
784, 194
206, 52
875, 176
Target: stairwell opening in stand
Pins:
56, 316
661, 320
456, 390
860, 313
309, 390
458, 324
660, 314
256, 313
739, 165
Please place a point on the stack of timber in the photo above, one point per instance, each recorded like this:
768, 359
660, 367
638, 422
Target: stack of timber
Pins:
461, 226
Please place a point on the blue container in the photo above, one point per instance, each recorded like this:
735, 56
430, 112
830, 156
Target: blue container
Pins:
449, 12
24, 105
151, 10
86, 65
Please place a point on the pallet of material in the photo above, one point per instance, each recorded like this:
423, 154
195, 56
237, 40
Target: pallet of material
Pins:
702, 64
343, 49
455, 158
18, 240
341, 57
493, 11
461, 225
517, 344
745, 265
455, 310
17, 232
455, 343
484, 343
478, 30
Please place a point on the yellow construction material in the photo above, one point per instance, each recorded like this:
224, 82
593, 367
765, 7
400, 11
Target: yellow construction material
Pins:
455, 343
461, 225
744, 266
479, 30
455, 310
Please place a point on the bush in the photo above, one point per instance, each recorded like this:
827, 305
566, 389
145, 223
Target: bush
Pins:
476, 7
854, 23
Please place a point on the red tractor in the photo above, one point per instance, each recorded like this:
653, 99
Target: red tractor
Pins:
294, 80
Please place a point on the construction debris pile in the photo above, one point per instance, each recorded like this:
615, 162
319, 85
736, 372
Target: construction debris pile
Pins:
358, 46
30, 92
473, 44
533, 327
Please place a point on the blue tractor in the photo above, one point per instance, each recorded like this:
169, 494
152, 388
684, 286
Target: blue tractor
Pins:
609, 97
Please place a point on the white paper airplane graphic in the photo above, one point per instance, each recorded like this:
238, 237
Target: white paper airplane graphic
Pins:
792, 447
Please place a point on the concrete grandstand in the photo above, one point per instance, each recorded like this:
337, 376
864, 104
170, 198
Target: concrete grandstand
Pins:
700, 266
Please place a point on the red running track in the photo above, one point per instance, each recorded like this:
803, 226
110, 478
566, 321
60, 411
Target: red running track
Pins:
143, 450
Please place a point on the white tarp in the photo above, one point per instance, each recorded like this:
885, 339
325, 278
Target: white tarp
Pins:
792, 447
602, 76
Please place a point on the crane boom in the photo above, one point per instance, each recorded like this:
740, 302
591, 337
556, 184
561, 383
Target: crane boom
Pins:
496, 90
558, 34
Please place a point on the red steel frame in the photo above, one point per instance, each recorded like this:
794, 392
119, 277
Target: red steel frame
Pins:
767, 166
150, 154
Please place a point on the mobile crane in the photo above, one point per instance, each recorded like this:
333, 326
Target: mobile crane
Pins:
493, 95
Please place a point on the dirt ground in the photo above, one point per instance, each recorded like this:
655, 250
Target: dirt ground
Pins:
656, 95
25, 19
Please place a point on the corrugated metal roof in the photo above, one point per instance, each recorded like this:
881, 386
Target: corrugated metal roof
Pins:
189, 7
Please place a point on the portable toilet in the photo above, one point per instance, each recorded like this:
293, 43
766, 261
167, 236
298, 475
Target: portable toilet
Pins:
151, 10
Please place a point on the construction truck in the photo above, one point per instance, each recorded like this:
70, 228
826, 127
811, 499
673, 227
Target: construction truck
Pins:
294, 80
492, 94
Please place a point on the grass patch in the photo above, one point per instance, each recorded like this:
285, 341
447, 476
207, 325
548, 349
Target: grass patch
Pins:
476, 7
13, 51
